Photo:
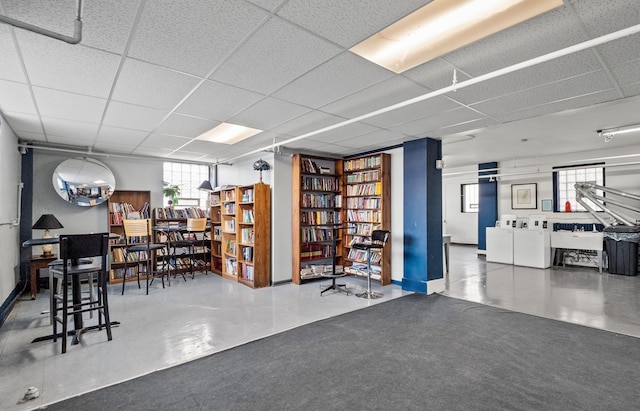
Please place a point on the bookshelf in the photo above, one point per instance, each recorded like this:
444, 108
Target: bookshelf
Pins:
367, 181
229, 240
124, 204
216, 232
173, 222
317, 206
254, 235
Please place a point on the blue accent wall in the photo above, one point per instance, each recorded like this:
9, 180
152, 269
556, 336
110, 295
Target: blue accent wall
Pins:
422, 214
488, 208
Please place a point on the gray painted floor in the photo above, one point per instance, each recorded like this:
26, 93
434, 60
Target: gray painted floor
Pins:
209, 314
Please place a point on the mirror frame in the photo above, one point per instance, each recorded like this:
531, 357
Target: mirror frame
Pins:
83, 181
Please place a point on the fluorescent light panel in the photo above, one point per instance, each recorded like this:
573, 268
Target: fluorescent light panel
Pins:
227, 133
619, 130
443, 26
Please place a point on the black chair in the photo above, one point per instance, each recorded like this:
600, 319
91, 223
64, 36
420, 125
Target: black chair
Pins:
74, 249
376, 243
141, 251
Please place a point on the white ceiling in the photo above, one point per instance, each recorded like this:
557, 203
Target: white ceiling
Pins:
151, 75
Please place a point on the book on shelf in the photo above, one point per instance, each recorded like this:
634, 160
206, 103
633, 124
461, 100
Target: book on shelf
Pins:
247, 195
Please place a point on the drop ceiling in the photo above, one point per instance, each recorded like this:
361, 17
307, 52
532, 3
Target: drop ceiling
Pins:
149, 76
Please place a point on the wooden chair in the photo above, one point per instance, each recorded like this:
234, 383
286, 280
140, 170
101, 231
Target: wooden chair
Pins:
141, 251
74, 250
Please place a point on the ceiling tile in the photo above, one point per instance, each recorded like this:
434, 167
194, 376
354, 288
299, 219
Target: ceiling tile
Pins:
115, 136
560, 105
109, 147
540, 35
627, 73
73, 68
67, 130
550, 72
602, 17
20, 100
347, 22
165, 142
138, 84
32, 137
186, 126
11, 67
376, 97
420, 126
333, 80
344, 132
436, 74
134, 117
277, 53
268, 113
464, 127
152, 152
308, 122
193, 36
269, 5
572, 87
23, 123
69, 106
217, 101
384, 137
631, 90
429, 107
620, 51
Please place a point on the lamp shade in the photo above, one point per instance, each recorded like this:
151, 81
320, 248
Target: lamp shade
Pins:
205, 186
47, 222
261, 165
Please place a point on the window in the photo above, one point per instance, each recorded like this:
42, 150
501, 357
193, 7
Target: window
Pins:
469, 194
564, 181
187, 177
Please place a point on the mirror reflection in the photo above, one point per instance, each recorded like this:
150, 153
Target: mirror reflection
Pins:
83, 181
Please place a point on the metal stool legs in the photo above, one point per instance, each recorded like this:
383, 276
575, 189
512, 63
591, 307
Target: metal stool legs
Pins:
369, 294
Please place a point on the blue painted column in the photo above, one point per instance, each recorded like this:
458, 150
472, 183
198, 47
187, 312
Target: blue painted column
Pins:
488, 203
422, 214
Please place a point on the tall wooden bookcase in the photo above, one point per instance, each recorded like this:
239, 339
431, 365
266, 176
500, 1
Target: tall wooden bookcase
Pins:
254, 235
216, 232
245, 234
229, 240
120, 204
367, 181
317, 207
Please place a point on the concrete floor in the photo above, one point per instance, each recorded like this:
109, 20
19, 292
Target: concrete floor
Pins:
209, 314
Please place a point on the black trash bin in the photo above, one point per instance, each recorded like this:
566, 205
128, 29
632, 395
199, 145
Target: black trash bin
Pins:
621, 245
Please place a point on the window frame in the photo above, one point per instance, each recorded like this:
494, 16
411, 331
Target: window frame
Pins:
189, 186
463, 197
557, 206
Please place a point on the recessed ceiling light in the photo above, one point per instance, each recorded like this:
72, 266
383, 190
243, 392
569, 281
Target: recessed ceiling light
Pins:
227, 133
443, 26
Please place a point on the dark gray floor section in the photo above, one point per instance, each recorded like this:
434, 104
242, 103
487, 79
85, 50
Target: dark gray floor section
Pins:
413, 353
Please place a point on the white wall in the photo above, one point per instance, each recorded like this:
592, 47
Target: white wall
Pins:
129, 174
536, 170
10, 164
463, 227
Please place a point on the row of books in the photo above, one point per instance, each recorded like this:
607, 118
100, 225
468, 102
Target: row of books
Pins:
247, 254
361, 255
320, 183
118, 256
363, 176
363, 229
362, 163
231, 265
247, 235
230, 225
369, 189
247, 216
311, 167
230, 247
316, 234
315, 251
321, 200
247, 272
363, 216
247, 195
320, 217
172, 213
363, 202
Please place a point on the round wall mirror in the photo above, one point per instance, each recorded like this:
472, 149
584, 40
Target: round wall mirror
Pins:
83, 181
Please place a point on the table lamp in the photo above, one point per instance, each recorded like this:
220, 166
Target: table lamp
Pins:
47, 222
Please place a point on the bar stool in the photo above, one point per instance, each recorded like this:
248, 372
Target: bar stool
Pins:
73, 249
376, 243
141, 250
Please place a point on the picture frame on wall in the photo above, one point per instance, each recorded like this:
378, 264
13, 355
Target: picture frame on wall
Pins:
524, 196
547, 205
